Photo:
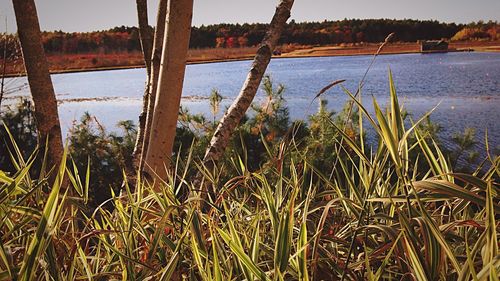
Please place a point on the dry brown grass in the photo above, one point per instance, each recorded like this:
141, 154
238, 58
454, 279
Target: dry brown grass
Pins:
211, 54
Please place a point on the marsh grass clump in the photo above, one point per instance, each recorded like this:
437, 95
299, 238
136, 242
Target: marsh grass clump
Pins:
104, 153
394, 211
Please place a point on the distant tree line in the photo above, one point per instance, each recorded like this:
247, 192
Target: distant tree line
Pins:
126, 39
323, 33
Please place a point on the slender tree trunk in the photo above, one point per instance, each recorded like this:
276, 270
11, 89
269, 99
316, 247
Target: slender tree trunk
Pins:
237, 110
145, 35
171, 79
4, 65
153, 81
42, 91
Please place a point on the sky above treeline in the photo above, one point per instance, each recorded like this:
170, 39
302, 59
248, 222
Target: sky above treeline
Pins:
91, 15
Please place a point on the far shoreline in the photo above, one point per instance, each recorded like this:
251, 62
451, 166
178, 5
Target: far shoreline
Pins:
307, 52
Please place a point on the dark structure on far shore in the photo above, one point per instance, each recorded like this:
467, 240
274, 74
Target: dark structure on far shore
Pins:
433, 46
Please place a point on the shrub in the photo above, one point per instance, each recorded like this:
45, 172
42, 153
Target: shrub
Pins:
18, 119
106, 154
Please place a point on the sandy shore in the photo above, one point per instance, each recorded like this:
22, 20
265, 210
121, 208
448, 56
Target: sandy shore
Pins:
78, 63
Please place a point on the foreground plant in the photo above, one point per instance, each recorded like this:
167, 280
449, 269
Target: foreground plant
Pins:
392, 211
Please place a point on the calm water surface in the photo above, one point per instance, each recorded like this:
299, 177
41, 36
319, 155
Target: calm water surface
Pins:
465, 85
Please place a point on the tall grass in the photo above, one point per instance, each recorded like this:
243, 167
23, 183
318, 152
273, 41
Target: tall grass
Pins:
381, 215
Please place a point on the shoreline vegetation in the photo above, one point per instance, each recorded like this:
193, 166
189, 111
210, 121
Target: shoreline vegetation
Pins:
244, 197
70, 63
120, 47
320, 196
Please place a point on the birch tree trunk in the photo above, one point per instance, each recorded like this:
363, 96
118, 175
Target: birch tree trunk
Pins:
37, 70
247, 93
153, 81
171, 79
145, 36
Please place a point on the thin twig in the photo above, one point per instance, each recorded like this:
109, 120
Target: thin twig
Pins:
4, 62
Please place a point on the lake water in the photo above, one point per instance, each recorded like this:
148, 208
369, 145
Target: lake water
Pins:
465, 85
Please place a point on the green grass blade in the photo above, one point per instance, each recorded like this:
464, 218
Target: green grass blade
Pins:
38, 243
302, 256
245, 260
416, 265
443, 187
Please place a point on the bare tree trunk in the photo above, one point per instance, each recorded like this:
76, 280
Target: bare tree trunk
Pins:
153, 81
237, 110
4, 64
37, 70
145, 35
171, 79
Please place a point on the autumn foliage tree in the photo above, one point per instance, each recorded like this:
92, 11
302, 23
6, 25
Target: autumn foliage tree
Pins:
478, 31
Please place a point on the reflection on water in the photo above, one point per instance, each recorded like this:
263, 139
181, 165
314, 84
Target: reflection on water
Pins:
466, 85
